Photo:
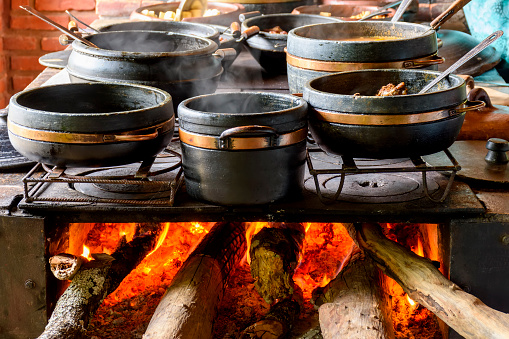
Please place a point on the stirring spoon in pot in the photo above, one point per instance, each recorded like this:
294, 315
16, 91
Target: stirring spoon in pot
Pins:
473, 52
401, 9
57, 26
81, 22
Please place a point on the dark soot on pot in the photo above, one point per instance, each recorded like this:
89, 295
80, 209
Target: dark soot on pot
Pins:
90, 99
235, 103
368, 83
147, 42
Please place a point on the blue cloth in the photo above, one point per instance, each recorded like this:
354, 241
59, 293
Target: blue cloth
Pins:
487, 16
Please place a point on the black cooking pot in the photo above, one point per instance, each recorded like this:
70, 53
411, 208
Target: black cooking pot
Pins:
347, 118
181, 64
243, 148
90, 125
269, 48
317, 50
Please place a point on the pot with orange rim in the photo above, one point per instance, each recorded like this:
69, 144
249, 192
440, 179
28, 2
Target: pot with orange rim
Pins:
347, 118
243, 148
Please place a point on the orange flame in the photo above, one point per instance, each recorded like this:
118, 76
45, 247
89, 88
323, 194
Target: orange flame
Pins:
410, 301
161, 238
86, 253
252, 229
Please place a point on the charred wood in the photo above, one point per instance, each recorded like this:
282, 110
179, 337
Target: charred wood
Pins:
424, 283
94, 281
189, 306
274, 256
354, 304
277, 323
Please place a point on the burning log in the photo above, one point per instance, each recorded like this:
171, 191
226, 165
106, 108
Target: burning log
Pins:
424, 283
94, 281
354, 304
274, 256
189, 306
275, 324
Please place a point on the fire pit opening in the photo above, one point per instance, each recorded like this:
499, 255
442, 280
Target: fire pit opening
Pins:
260, 266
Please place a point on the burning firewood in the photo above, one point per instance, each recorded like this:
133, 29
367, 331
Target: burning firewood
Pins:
275, 324
354, 304
94, 281
274, 256
424, 283
189, 306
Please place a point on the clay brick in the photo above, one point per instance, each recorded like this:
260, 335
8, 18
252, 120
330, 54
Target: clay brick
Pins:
20, 82
51, 44
62, 5
16, 3
116, 8
4, 100
20, 43
3, 85
3, 67
31, 22
26, 63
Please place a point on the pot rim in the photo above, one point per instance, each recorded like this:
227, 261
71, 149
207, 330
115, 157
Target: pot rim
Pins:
253, 21
14, 104
386, 104
80, 47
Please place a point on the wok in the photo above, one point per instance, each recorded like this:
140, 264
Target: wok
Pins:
346, 118
90, 125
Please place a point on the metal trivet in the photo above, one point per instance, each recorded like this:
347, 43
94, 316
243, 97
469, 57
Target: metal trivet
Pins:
140, 180
371, 168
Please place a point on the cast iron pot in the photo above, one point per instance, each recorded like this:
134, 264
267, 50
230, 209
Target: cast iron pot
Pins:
269, 48
181, 64
243, 148
364, 125
317, 50
90, 125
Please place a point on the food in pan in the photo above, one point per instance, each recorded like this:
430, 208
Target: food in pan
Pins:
275, 30
391, 89
196, 11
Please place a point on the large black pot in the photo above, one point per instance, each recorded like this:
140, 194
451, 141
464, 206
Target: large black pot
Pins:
317, 50
181, 64
90, 125
269, 48
243, 148
364, 125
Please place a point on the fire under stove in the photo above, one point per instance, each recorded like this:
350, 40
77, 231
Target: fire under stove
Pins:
39, 205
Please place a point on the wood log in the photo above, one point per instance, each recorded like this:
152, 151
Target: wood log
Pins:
189, 306
274, 256
64, 266
424, 283
276, 324
94, 281
354, 304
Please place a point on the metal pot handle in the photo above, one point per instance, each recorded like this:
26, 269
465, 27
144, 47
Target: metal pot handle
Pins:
224, 138
425, 62
469, 106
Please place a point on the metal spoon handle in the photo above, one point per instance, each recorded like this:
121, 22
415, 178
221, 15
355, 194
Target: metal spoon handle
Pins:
371, 15
473, 52
401, 9
81, 22
56, 25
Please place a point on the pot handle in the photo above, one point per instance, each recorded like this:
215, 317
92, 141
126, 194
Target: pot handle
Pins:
469, 106
231, 132
420, 63
247, 15
227, 56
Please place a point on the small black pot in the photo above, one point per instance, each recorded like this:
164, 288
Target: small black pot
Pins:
269, 48
243, 148
367, 126
90, 125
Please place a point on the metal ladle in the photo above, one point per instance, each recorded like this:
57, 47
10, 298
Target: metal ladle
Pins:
401, 9
57, 26
473, 52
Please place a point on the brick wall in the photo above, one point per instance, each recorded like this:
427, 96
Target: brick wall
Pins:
24, 38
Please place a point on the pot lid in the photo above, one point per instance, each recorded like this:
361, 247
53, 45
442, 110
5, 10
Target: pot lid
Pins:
470, 155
